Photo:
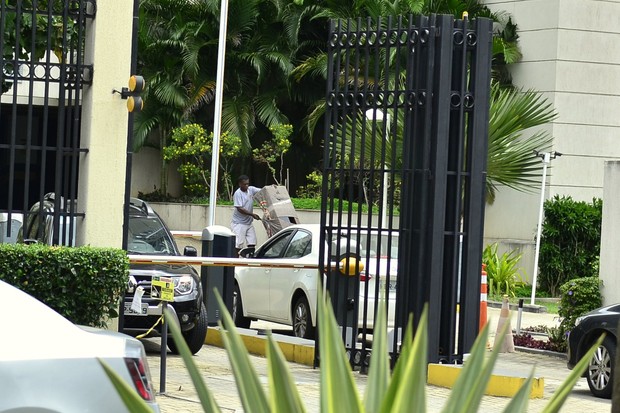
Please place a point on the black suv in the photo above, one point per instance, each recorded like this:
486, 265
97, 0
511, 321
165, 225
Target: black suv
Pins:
147, 235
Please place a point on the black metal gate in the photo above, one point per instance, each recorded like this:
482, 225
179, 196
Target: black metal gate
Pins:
407, 114
42, 75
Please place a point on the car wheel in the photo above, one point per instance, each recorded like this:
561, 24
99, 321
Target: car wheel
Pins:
600, 373
302, 320
195, 338
237, 310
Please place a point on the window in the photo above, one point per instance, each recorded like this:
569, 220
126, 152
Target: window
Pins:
275, 249
300, 245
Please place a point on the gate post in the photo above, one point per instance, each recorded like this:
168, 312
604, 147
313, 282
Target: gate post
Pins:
217, 241
343, 284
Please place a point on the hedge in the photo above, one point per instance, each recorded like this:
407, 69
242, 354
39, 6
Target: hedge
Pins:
84, 284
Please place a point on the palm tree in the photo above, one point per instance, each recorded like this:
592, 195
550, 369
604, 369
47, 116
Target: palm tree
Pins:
510, 162
510, 157
178, 49
169, 57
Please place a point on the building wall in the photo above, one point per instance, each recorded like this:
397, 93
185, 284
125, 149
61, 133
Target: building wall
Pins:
573, 61
104, 126
610, 235
146, 173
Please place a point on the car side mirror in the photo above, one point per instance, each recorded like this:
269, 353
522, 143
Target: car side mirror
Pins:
247, 252
190, 251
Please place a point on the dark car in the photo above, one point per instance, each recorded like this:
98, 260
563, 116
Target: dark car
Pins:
588, 328
147, 235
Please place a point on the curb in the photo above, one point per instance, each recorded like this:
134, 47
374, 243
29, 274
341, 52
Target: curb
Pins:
294, 349
444, 375
529, 308
501, 384
538, 351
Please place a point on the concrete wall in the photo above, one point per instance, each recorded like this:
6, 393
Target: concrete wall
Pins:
573, 60
146, 173
104, 126
190, 217
610, 235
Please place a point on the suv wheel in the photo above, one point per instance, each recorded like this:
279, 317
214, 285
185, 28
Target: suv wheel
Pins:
195, 338
600, 373
302, 320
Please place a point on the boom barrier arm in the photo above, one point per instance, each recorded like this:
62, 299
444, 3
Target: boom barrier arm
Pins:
218, 261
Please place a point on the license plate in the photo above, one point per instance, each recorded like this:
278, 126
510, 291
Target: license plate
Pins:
392, 285
131, 311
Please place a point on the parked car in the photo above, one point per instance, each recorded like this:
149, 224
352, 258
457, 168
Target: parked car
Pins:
289, 296
588, 328
147, 235
48, 364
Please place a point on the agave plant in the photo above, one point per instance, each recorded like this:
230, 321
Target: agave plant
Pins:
503, 271
403, 389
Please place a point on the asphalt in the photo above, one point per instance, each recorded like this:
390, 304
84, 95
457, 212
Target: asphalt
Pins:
179, 395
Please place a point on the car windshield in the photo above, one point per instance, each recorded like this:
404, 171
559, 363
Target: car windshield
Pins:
148, 236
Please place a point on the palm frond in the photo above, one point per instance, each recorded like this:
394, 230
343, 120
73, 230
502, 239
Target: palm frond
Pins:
238, 118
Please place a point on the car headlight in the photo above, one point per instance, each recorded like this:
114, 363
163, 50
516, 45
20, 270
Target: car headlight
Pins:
578, 320
183, 284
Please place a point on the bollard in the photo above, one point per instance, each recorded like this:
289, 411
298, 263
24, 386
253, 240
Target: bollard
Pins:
483, 298
217, 241
519, 314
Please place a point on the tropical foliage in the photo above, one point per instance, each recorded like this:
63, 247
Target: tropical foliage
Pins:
503, 272
273, 151
400, 389
276, 66
570, 241
193, 147
30, 32
578, 297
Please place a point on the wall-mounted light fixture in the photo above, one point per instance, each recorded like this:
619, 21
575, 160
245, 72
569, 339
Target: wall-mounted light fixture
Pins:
132, 93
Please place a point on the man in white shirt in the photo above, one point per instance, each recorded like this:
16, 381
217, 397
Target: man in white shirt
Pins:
243, 215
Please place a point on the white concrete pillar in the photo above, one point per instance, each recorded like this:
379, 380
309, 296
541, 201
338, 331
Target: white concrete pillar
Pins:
610, 234
104, 125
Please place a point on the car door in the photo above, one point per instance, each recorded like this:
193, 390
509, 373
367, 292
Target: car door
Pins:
285, 281
254, 281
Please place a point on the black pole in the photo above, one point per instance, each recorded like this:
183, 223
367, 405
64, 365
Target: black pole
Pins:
164, 348
128, 166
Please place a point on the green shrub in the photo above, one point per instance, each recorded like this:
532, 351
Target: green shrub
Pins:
84, 284
503, 273
570, 241
192, 146
557, 339
577, 297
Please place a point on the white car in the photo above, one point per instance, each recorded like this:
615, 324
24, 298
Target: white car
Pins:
48, 364
289, 295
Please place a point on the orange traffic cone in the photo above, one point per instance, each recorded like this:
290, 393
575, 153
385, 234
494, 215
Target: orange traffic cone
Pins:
507, 345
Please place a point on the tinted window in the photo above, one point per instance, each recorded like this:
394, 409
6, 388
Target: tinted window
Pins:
148, 236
